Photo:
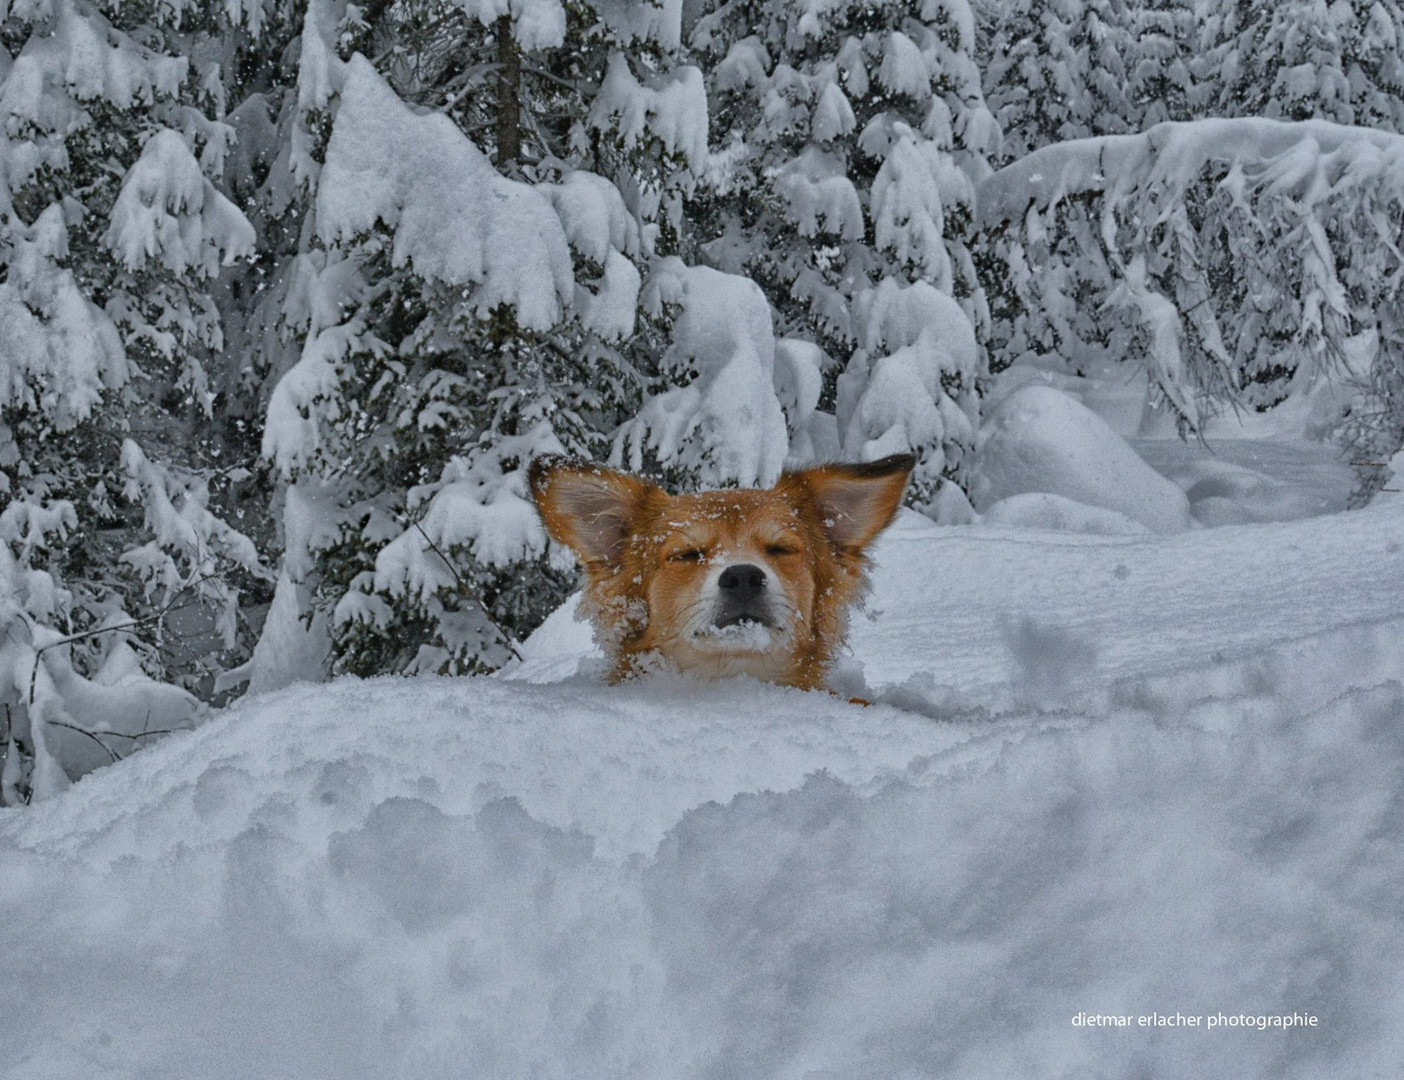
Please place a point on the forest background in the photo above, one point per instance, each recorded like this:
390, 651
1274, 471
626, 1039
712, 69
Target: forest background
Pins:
290, 294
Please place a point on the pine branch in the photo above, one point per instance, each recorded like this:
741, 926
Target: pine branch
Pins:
470, 594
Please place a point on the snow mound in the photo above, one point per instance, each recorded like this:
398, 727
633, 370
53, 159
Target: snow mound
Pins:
1042, 510
1152, 607
1039, 439
471, 877
1222, 492
1131, 775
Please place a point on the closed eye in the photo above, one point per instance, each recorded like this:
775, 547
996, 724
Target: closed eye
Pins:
780, 550
690, 555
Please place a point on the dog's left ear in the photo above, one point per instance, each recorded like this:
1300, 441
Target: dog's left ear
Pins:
592, 510
854, 502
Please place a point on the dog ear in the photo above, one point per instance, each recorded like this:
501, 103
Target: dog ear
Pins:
855, 502
590, 509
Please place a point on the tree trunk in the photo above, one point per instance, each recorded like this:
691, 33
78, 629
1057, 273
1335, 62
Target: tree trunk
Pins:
509, 95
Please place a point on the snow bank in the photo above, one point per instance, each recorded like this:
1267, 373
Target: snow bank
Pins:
1222, 492
1041, 440
1149, 608
1041, 510
394, 879
1268, 466
1165, 780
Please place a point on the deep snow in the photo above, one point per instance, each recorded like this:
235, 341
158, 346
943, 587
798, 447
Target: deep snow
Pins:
1106, 774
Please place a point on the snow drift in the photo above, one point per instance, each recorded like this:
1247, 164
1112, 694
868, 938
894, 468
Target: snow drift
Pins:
485, 877
1039, 439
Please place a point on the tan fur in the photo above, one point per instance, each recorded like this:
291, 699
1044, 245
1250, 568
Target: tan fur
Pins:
652, 562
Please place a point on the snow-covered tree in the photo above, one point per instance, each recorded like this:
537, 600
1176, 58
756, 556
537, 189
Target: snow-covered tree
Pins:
1247, 259
1164, 72
117, 475
1059, 69
845, 148
911, 385
1310, 59
544, 87
721, 421
1372, 425
456, 321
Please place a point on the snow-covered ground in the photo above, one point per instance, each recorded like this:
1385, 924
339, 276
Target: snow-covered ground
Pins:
1107, 771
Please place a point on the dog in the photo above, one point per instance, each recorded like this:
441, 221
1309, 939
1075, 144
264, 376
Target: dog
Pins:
734, 582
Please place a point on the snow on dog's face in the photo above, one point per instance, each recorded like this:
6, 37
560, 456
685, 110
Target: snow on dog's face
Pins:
722, 582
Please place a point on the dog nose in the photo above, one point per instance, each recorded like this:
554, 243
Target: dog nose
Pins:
741, 582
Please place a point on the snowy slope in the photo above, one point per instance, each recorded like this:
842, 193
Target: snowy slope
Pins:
1128, 775
988, 619
1128, 607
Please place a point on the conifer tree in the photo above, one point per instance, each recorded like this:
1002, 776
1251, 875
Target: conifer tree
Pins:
845, 151
116, 475
1307, 59
458, 320
1162, 72
1059, 69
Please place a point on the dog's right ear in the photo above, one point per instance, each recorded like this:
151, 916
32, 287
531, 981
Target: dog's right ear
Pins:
591, 510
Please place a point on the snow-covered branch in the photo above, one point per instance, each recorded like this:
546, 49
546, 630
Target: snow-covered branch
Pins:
1240, 259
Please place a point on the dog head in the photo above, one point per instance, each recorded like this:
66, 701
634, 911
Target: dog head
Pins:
755, 582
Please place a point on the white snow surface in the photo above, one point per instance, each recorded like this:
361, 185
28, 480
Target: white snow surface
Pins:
1056, 513
1039, 439
1116, 775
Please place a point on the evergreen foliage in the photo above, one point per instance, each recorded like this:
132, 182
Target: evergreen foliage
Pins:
1307, 59
848, 146
1246, 259
460, 323
120, 466
1227, 283
1057, 70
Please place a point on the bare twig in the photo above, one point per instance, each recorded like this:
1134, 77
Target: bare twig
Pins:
542, 73
90, 734
131, 624
463, 588
145, 731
